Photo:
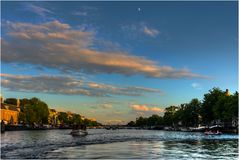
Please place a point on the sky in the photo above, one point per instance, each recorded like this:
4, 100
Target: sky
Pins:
115, 61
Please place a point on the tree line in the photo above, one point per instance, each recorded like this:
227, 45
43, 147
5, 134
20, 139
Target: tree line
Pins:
36, 112
217, 107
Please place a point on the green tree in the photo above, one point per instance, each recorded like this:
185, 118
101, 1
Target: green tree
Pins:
154, 120
230, 110
170, 115
63, 118
220, 107
25, 101
11, 101
76, 119
34, 111
209, 102
141, 121
191, 114
30, 113
22, 117
131, 124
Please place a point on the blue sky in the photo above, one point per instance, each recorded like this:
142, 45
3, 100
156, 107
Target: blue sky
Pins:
114, 61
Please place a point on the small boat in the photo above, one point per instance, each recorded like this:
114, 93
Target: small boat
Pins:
212, 133
79, 130
79, 133
213, 130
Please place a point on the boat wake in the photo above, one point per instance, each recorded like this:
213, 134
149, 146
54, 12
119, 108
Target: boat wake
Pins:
39, 144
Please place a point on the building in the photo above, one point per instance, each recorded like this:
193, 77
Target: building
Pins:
227, 92
52, 118
9, 112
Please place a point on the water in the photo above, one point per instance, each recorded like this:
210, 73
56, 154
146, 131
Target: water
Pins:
113, 144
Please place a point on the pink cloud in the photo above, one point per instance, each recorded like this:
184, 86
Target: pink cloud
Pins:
145, 108
59, 46
140, 107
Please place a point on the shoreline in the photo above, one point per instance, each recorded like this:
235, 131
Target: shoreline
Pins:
25, 128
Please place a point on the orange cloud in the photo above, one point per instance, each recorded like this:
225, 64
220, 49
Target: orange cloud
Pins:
155, 109
114, 121
145, 108
140, 107
57, 45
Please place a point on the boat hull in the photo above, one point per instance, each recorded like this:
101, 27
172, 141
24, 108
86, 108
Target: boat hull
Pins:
79, 133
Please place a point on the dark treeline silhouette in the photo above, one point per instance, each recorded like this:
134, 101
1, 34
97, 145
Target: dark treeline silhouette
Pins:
217, 107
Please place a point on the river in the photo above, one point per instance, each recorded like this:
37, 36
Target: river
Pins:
114, 144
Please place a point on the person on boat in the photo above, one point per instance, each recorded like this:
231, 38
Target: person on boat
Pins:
75, 127
84, 127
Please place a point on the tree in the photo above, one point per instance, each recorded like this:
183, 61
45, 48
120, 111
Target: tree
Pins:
76, 119
191, 113
154, 120
141, 121
169, 115
89, 122
221, 106
22, 117
25, 101
42, 111
34, 111
63, 117
209, 102
230, 111
11, 101
131, 124
216, 105
30, 113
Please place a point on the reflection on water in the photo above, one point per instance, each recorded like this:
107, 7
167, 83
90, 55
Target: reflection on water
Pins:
145, 144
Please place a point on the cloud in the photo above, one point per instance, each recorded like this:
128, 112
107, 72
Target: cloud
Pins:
106, 106
130, 90
150, 31
145, 108
57, 45
196, 86
79, 13
67, 85
139, 29
137, 107
38, 10
114, 121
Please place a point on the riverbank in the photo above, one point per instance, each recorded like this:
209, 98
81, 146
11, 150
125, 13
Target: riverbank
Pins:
182, 129
23, 128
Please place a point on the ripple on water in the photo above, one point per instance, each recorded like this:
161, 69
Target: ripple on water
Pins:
117, 144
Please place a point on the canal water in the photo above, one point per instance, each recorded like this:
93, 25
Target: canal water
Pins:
114, 144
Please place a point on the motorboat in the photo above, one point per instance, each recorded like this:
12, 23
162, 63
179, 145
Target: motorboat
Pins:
79, 132
212, 133
213, 130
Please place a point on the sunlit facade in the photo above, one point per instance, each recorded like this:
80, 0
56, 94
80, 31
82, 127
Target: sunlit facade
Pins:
9, 112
